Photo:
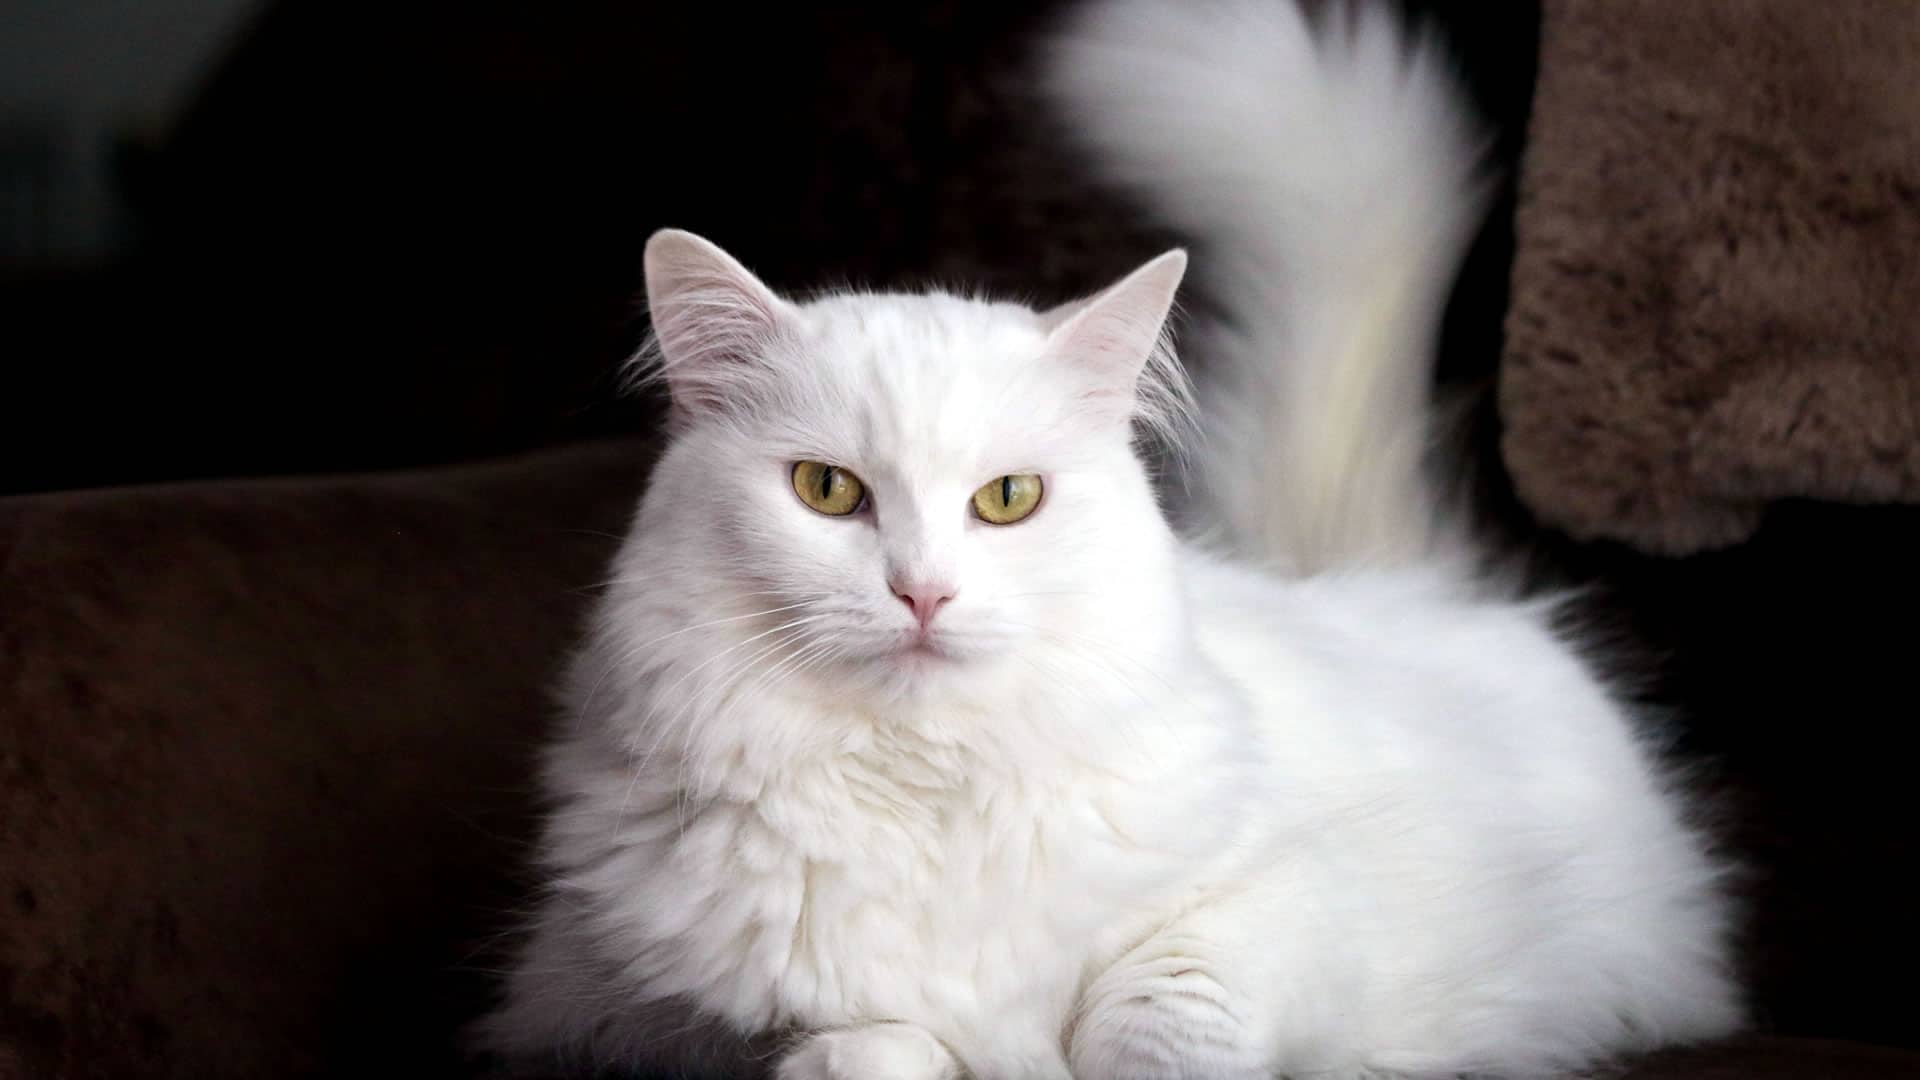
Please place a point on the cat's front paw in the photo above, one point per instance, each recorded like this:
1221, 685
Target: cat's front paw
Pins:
870, 1052
1164, 1018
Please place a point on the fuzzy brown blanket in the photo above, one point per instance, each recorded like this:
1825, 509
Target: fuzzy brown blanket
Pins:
1715, 297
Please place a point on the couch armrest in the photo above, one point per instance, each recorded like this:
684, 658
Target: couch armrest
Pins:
264, 750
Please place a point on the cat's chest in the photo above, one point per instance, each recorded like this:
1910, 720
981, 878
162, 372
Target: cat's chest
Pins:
887, 886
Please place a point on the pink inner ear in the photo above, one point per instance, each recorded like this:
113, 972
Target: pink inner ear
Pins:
712, 319
1112, 334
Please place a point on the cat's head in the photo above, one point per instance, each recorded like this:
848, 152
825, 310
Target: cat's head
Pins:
913, 489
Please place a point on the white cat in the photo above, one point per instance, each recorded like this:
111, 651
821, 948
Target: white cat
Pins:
910, 742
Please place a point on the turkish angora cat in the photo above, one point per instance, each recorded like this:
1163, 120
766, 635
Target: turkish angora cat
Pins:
910, 742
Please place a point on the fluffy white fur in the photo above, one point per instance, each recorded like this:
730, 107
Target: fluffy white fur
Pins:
1132, 810
1333, 179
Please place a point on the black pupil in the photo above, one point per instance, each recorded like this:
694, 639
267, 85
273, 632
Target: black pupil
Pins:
1006, 491
826, 482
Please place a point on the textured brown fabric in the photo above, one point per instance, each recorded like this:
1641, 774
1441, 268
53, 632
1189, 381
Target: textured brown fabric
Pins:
264, 747
1716, 295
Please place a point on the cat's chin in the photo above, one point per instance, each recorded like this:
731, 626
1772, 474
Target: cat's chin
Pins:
906, 670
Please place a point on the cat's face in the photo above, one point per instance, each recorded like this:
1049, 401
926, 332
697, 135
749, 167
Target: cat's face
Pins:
913, 489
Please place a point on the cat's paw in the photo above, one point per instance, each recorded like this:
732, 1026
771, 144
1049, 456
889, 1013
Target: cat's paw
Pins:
1165, 1018
870, 1052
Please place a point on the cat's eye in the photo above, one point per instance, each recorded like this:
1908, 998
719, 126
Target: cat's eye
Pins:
829, 489
1007, 499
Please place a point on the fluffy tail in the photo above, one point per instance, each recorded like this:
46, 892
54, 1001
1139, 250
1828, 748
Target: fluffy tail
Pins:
1328, 173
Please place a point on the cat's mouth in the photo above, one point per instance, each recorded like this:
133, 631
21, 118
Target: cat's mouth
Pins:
923, 647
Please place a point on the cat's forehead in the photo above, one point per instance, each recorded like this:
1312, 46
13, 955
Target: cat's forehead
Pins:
935, 376
934, 335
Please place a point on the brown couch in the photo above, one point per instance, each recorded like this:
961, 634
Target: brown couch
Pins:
264, 760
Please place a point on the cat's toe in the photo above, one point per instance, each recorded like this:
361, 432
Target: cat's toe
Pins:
1164, 1020
870, 1052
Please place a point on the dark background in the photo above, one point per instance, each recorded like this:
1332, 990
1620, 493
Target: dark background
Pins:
380, 233
376, 235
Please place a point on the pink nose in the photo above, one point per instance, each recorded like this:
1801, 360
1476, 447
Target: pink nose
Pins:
924, 600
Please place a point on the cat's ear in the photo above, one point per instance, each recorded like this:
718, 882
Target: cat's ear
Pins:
712, 319
1112, 335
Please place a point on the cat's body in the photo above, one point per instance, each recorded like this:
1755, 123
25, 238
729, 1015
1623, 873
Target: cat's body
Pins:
1071, 796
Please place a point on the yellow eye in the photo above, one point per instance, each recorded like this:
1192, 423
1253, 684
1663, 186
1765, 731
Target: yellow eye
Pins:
1007, 499
829, 489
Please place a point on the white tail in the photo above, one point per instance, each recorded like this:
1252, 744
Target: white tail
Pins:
1329, 176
